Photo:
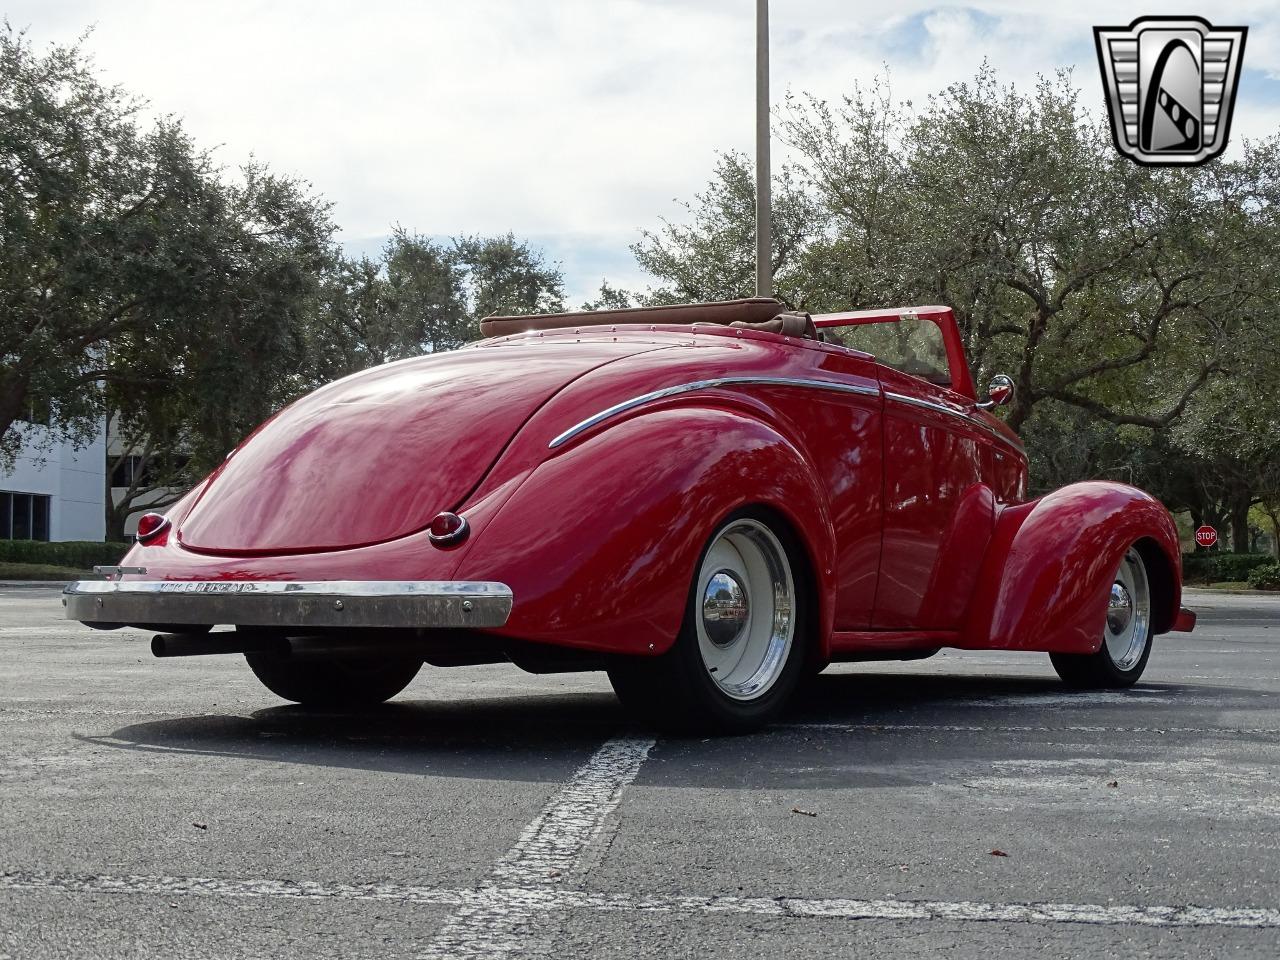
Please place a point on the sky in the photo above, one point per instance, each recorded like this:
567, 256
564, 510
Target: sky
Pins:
573, 123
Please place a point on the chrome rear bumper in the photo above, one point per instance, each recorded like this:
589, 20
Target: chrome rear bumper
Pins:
273, 603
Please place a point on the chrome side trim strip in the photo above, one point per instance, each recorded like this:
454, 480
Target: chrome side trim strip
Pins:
930, 405
943, 408
672, 391
276, 603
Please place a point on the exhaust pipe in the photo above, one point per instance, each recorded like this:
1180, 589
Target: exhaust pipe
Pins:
208, 644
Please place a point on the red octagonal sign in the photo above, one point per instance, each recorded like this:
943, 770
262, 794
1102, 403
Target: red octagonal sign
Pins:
1206, 536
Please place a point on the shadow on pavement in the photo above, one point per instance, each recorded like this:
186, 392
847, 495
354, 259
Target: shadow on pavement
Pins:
848, 728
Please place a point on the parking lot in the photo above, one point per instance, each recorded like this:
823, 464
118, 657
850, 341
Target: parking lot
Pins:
947, 807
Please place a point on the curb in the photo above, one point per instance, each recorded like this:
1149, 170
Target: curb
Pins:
1213, 592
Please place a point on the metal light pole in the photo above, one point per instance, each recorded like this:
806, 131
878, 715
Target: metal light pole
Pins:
764, 251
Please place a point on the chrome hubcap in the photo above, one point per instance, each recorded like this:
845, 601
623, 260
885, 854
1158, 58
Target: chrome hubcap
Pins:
746, 617
1119, 609
725, 610
1128, 629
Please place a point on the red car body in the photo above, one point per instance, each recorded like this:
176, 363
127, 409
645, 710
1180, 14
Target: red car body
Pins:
591, 464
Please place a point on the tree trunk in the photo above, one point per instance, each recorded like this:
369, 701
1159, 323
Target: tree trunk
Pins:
1216, 513
13, 400
1273, 517
115, 525
132, 500
115, 517
1020, 409
1239, 505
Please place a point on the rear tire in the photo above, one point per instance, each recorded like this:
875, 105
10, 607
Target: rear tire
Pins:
336, 683
1126, 634
740, 651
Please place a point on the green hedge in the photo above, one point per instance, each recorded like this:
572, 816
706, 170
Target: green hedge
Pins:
1238, 566
1220, 567
80, 554
1195, 568
1266, 576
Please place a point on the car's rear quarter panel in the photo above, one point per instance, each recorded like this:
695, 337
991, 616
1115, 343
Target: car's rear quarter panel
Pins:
599, 544
623, 512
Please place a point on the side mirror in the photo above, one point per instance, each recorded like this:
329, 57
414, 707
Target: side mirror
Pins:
999, 393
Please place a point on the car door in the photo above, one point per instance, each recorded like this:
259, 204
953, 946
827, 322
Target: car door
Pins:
937, 508
845, 441
938, 511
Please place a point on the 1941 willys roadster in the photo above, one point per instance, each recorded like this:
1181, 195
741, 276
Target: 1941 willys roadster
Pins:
708, 501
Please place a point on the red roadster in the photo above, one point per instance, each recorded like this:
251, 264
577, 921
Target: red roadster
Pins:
707, 501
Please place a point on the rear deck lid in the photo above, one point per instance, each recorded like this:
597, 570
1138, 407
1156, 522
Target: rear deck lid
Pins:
377, 455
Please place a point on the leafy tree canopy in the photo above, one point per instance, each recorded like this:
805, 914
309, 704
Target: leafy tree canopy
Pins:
139, 277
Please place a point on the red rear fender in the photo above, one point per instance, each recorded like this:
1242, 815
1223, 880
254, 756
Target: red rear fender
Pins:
599, 544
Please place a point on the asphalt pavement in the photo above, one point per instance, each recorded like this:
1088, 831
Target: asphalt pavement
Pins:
962, 806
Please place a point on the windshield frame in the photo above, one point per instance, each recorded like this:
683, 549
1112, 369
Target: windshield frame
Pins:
942, 317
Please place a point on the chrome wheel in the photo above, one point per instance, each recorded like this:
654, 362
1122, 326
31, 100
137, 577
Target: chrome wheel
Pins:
1128, 625
745, 615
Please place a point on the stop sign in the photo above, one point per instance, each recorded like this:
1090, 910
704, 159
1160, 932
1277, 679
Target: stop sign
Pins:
1206, 536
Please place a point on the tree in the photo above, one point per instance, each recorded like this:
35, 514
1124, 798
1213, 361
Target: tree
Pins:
610, 297
238, 353
148, 471
1227, 447
101, 235
423, 296
138, 277
503, 275
1266, 514
135, 276
713, 257
407, 302
1114, 294
1094, 281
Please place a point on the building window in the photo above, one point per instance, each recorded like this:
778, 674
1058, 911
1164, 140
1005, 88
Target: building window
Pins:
145, 471
126, 468
24, 516
38, 412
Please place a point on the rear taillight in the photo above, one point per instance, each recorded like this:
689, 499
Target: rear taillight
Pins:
447, 529
151, 525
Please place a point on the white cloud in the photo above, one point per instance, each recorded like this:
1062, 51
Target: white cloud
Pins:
581, 118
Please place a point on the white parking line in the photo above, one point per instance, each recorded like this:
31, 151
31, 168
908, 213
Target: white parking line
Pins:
550, 846
220, 887
54, 631
20, 715
539, 899
497, 923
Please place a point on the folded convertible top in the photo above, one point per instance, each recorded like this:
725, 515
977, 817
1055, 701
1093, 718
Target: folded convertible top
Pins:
753, 310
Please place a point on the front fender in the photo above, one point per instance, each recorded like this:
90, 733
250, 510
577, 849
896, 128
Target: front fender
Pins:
600, 543
1049, 566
